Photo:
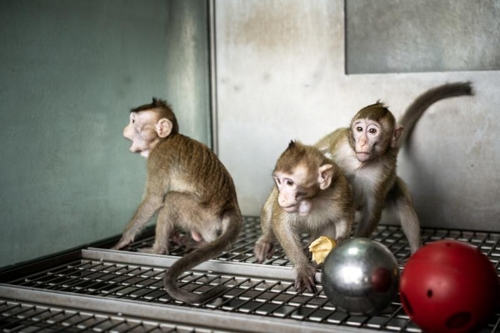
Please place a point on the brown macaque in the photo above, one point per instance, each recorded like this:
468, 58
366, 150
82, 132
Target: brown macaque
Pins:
367, 153
311, 194
189, 188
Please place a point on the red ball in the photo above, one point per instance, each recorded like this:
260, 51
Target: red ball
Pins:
449, 286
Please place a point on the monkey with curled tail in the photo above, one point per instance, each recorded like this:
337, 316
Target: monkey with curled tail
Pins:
367, 152
189, 188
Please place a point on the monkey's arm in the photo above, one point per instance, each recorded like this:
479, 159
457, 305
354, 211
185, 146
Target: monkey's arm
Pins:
292, 245
152, 201
264, 247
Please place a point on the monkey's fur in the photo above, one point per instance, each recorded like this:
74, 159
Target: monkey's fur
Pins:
373, 175
189, 187
315, 181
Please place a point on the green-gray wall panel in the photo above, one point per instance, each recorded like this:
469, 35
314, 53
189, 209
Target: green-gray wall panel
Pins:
70, 72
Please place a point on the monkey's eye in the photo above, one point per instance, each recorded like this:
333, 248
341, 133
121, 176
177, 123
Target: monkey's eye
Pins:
359, 128
289, 182
372, 130
277, 180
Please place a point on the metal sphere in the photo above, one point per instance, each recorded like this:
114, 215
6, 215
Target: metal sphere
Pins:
360, 276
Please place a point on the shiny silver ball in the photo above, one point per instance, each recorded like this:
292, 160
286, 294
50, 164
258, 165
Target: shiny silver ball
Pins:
360, 276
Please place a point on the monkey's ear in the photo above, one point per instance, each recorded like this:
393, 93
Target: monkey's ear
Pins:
163, 127
395, 137
325, 175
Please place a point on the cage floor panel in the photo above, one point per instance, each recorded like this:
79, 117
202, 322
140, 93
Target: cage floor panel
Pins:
129, 284
32, 317
389, 235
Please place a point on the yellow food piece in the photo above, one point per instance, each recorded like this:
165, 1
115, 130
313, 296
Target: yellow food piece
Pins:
321, 247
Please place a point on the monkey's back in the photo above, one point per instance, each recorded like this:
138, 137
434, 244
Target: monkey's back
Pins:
190, 166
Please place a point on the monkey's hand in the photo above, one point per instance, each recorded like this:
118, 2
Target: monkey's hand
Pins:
305, 279
263, 250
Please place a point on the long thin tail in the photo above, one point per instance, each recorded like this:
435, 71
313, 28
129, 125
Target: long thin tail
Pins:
232, 223
418, 107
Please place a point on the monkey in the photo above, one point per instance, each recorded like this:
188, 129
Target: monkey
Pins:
310, 194
367, 153
190, 189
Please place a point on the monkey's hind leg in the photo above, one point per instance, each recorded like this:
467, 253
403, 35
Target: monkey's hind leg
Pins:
370, 217
400, 202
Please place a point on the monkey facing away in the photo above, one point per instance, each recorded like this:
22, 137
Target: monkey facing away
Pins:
367, 153
189, 188
311, 194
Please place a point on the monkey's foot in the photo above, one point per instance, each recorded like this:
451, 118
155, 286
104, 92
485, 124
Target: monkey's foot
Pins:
263, 250
305, 280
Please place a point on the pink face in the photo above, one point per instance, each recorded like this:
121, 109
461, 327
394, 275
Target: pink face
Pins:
292, 195
368, 135
142, 131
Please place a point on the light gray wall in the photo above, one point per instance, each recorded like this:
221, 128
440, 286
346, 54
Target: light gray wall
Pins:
281, 76
71, 71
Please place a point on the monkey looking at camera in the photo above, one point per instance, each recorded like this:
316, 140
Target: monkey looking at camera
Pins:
367, 153
189, 188
311, 194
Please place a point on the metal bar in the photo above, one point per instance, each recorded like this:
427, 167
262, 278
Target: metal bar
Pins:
221, 305
74, 281
245, 269
213, 76
255, 297
198, 317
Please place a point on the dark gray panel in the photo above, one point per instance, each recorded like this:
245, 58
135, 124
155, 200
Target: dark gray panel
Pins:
392, 36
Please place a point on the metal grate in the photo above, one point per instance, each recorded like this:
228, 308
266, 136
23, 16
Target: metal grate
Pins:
259, 294
32, 317
390, 235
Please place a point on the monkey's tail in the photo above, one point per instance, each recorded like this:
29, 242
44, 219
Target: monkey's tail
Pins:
418, 107
232, 223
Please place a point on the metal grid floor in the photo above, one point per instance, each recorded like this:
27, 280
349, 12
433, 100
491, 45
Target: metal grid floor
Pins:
390, 235
131, 283
32, 317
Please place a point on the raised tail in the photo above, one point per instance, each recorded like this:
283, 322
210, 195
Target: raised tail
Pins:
418, 107
232, 223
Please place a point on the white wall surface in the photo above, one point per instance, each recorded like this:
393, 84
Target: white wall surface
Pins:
281, 76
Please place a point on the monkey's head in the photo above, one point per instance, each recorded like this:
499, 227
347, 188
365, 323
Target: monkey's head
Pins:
150, 124
300, 173
373, 132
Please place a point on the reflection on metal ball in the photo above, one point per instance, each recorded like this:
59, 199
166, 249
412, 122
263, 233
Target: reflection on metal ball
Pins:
360, 276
